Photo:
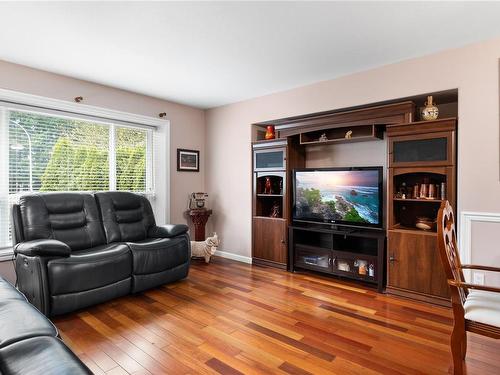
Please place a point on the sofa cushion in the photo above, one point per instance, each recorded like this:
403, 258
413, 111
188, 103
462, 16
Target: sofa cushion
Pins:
89, 269
72, 218
8, 292
20, 320
126, 216
40, 355
159, 254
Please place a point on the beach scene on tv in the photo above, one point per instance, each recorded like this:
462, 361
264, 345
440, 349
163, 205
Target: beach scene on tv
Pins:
350, 196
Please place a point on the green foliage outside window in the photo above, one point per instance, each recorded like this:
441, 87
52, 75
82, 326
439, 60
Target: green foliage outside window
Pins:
73, 155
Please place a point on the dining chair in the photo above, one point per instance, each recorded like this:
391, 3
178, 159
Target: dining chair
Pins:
476, 308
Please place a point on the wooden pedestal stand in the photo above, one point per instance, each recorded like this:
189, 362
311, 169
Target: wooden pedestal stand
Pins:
199, 217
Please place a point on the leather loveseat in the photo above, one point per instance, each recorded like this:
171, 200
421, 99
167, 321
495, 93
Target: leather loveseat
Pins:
29, 342
78, 249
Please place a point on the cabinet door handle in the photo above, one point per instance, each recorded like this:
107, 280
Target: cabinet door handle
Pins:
282, 241
392, 258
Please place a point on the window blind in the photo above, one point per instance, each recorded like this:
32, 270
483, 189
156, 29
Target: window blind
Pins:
43, 152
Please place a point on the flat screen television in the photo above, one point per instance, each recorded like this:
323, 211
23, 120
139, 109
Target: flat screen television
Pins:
344, 196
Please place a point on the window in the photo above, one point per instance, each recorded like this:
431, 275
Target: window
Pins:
50, 152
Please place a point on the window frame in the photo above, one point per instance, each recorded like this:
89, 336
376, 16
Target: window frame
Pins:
157, 160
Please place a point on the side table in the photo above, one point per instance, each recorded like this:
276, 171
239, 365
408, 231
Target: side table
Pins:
199, 217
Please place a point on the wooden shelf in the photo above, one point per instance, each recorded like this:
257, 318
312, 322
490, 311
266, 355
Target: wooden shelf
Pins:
401, 228
340, 140
337, 135
354, 275
269, 195
268, 218
421, 200
331, 245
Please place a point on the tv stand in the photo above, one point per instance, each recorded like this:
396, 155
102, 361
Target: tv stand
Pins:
353, 253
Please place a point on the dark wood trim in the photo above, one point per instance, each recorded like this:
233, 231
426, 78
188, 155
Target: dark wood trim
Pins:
435, 300
381, 115
343, 115
267, 263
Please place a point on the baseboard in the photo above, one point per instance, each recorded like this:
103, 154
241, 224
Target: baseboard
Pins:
236, 257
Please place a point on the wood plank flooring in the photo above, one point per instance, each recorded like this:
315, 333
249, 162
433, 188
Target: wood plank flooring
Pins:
232, 318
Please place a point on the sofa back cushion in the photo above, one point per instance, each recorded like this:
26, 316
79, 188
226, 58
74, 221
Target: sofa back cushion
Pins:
72, 218
126, 216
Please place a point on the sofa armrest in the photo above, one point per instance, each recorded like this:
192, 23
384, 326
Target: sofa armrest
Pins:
166, 231
43, 247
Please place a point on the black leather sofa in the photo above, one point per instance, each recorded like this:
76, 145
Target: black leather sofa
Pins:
29, 342
78, 249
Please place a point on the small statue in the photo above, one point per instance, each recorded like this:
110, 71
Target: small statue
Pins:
275, 211
323, 138
267, 186
348, 134
205, 249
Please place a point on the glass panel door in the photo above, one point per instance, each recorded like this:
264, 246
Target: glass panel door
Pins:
270, 159
422, 150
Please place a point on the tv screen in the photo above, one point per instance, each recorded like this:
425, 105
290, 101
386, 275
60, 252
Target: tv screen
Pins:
350, 196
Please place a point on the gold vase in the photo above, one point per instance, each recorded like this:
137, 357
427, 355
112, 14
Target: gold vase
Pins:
430, 111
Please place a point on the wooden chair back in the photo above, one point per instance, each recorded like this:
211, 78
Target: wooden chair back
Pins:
448, 250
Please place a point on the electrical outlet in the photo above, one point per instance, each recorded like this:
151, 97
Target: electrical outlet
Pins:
478, 278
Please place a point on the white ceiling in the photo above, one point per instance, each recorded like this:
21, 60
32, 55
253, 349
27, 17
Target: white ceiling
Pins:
209, 54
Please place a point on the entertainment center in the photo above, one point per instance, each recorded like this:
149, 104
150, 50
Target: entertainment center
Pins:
312, 214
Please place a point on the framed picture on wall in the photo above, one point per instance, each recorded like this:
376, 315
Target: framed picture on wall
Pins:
188, 160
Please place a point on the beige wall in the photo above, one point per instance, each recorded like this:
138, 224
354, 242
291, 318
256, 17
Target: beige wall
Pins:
473, 70
187, 123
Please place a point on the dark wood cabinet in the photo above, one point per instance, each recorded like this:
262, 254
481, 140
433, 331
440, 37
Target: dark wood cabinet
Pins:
424, 144
353, 254
270, 241
414, 264
421, 157
270, 202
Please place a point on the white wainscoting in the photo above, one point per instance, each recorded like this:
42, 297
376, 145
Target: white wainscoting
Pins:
465, 232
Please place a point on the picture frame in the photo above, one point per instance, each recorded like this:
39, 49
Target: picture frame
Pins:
188, 160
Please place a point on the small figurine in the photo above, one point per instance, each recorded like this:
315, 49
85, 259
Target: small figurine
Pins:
371, 270
275, 211
267, 186
205, 249
323, 138
270, 133
348, 134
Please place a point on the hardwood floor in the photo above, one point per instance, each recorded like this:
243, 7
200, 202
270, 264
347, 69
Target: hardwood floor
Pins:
231, 318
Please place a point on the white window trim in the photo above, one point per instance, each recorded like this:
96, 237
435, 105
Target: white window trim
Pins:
160, 161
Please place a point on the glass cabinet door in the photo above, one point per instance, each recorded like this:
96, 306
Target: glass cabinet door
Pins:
433, 149
269, 159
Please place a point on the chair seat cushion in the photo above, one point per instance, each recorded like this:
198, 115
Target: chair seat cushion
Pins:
7, 292
89, 269
159, 254
483, 307
20, 320
40, 355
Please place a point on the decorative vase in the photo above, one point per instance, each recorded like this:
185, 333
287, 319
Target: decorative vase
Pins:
270, 132
430, 111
